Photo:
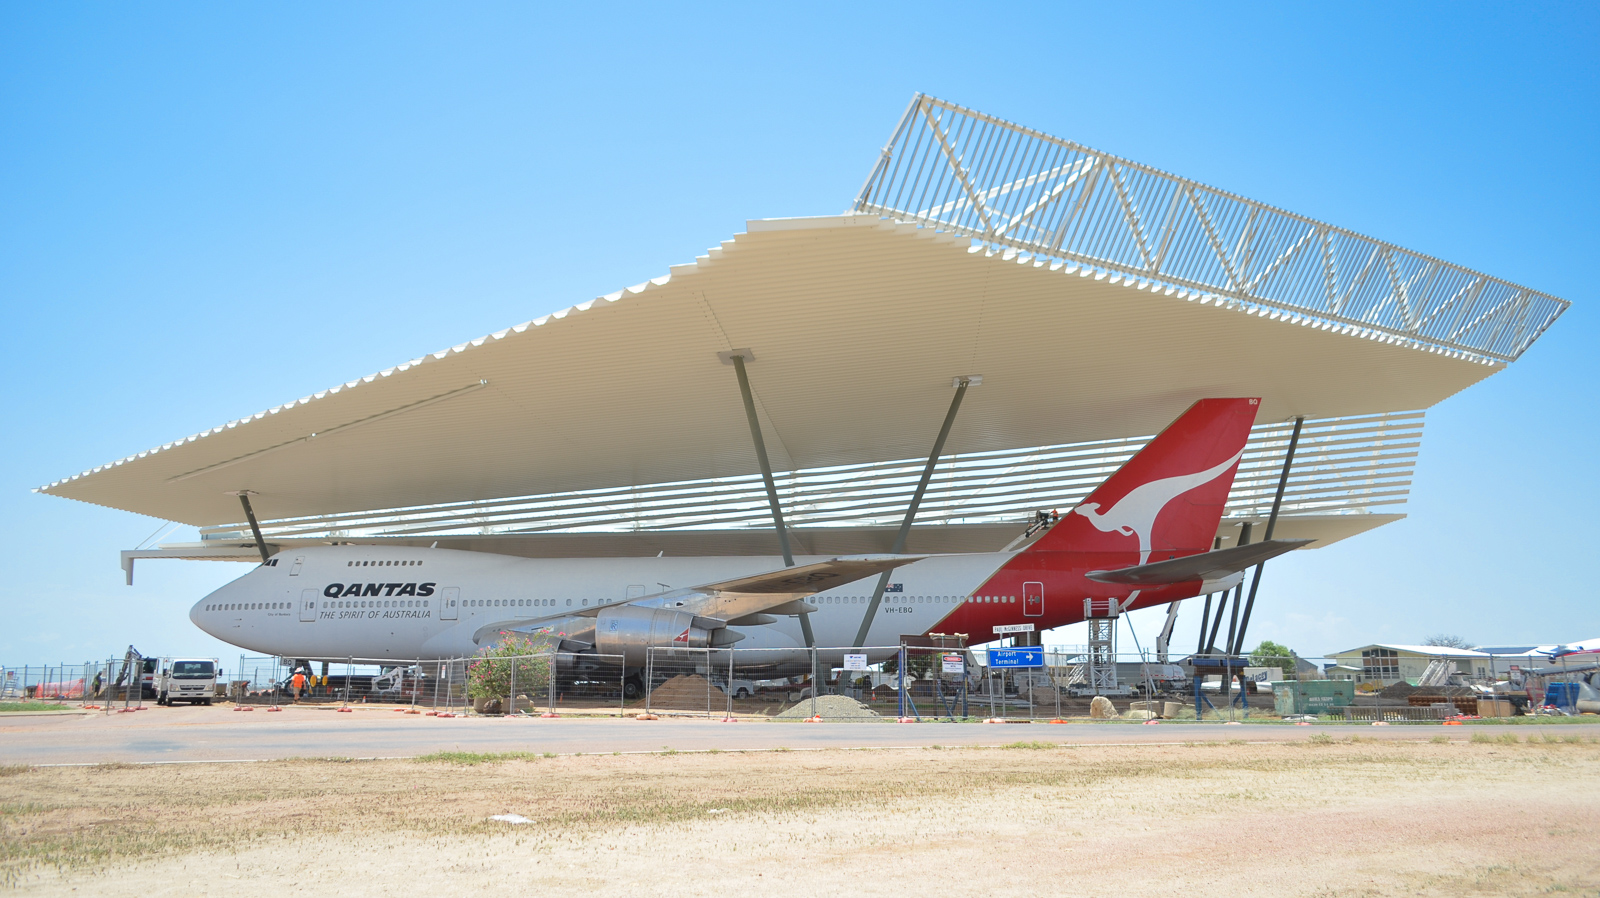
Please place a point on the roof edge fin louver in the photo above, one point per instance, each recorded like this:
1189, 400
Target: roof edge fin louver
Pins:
1016, 189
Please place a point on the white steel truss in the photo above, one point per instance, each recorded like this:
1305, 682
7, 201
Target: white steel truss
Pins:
964, 172
1342, 466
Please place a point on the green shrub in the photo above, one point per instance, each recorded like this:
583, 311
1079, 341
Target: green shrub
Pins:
514, 658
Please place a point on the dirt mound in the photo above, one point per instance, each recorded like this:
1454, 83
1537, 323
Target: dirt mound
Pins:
831, 707
688, 693
1403, 691
1400, 690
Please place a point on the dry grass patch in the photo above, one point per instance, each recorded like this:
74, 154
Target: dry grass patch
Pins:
869, 808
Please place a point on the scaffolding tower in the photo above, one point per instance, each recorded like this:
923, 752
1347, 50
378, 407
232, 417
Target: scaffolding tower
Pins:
1101, 616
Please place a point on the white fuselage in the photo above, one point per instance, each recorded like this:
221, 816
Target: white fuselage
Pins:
380, 603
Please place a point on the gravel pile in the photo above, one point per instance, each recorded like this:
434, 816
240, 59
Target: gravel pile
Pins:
1400, 690
687, 694
831, 707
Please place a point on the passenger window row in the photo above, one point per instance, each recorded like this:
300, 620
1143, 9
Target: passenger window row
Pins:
249, 606
382, 563
408, 603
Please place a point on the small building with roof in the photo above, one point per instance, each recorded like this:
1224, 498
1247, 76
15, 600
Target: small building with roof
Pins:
1388, 663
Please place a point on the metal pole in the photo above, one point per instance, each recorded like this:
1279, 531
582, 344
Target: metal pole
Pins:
730, 683
964, 713
737, 359
1233, 620
911, 510
990, 684
1055, 686
1216, 625
813, 681
1272, 523
900, 675
1205, 615
249, 513
1227, 684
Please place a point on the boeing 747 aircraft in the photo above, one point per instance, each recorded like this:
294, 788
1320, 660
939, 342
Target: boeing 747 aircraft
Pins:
1140, 539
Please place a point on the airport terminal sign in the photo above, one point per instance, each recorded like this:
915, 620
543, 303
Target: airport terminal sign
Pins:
1026, 656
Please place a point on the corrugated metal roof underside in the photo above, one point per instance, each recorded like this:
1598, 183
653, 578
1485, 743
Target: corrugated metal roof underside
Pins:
858, 326
1347, 466
935, 538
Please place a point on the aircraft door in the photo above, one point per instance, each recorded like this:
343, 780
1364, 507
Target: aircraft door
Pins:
449, 601
308, 605
1033, 600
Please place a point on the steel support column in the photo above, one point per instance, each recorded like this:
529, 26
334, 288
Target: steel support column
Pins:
1211, 644
737, 359
961, 384
250, 515
1272, 523
1205, 616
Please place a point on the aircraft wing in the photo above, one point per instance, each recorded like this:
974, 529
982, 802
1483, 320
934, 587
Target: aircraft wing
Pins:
780, 591
1205, 566
772, 590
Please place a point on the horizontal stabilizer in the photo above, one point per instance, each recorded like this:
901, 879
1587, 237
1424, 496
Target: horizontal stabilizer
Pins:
1205, 566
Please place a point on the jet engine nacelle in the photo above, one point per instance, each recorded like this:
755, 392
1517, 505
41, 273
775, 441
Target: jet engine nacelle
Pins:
628, 630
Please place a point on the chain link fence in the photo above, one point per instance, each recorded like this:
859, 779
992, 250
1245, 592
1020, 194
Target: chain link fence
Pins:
905, 682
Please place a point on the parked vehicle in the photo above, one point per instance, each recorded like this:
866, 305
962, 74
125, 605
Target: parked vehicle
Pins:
192, 680
148, 668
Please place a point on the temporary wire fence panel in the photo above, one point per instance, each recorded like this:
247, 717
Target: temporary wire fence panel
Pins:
586, 683
837, 683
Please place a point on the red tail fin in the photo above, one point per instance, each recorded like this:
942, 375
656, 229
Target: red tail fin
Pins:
1168, 498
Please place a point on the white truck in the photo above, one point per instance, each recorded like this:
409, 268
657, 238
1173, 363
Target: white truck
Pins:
192, 680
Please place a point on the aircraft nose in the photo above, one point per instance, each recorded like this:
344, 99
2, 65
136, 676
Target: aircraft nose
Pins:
198, 615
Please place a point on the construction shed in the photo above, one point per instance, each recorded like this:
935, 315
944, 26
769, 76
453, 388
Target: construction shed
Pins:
1387, 663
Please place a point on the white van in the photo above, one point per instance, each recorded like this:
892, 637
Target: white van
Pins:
192, 680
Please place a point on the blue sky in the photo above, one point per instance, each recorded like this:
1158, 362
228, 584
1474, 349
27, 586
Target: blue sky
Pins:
205, 211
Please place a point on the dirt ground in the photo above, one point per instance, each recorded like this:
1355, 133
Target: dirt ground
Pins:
1321, 817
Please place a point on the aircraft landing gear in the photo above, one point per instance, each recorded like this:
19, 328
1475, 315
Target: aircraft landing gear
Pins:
633, 687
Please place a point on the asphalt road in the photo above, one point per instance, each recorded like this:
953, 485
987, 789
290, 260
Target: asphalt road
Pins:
219, 734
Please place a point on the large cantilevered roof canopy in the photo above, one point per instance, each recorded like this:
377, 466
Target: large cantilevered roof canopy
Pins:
1094, 297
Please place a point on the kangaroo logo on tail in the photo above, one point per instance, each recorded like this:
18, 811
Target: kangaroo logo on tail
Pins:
1135, 513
